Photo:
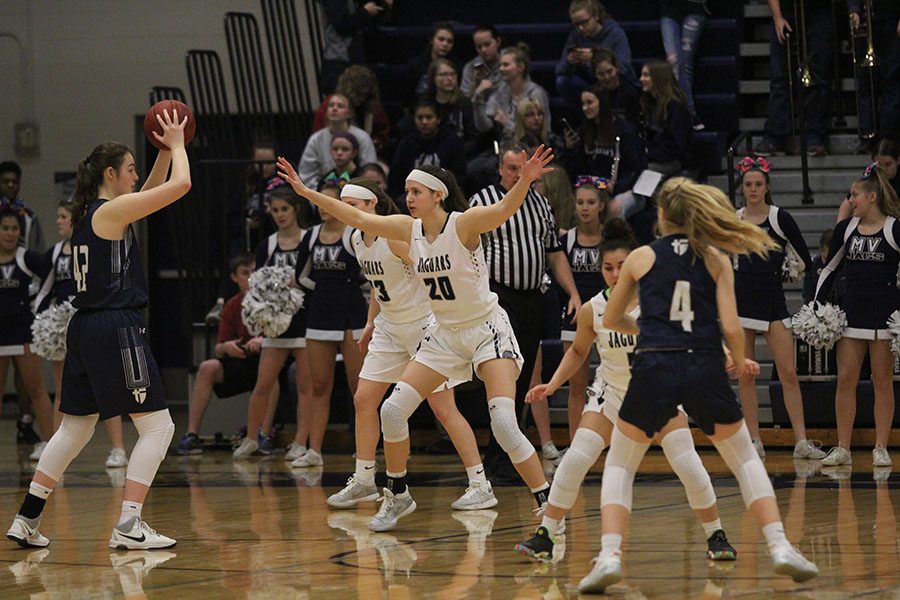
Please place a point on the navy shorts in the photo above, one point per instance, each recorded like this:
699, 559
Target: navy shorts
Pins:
660, 381
332, 310
868, 312
760, 300
239, 375
109, 367
16, 329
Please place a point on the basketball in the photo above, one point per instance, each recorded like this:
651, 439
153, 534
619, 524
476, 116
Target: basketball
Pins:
151, 124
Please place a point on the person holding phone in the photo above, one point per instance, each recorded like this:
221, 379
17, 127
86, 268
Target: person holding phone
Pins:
481, 75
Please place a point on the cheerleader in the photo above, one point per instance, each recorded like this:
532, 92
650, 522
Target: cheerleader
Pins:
866, 245
472, 330
604, 399
58, 286
335, 318
685, 285
17, 269
399, 316
761, 305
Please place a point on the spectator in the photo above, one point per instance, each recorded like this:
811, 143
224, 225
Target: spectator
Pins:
481, 75
374, 172
316, 159
887, 155
233, 369
682, 23
811, 277
557, 189
498, 113
345, 21
440, 45
532, 128
454, 108
360, 86
623, 95
429, 144
667, 123
344, 153
819, 26
10, 181
608, 146
593, 28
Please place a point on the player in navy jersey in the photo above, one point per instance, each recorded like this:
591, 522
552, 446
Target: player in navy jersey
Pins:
280, 249
761, 305
582, 247
472, 330
335, 317
109, 368
17, 269
685, 285
58, 286
866, 245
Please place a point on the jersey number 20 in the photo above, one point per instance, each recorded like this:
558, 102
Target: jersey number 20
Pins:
440, 288
80, 266
681, 305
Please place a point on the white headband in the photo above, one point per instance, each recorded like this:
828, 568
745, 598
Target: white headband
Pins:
351, 190
428, 180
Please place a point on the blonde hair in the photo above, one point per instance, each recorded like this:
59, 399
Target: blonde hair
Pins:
522, 108
559, 194
888, 202
709, 219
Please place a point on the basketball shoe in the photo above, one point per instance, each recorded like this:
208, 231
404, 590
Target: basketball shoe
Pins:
353, 493
25, 533
135, 534
477, 496
393, 508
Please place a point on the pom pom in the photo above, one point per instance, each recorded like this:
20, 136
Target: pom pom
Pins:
48, 331
894, 329
792, 268
271, 302
819, 325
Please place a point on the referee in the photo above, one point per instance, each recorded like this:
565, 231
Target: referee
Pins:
517, 254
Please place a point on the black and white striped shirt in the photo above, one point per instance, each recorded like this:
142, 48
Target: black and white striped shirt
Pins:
516, 251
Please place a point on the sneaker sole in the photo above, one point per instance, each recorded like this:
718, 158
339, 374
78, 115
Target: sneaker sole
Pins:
352, 503
882, 464
25, 543
599, 586
722, 555
526, 551
836, 464
486, 504
406, 512
795, 573
121, 546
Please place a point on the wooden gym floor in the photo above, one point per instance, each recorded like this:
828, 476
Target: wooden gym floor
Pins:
258, 530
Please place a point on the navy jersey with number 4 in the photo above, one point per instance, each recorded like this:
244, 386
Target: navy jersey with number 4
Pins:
678, 300
108, 273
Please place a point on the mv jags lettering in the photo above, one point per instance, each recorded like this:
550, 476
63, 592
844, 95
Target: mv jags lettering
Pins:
586, 260
326, 258
285, 259
6, 276
864, 248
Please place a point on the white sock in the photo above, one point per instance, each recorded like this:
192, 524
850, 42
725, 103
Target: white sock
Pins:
36, 489
365, 471
476, 473
711, 527
611, 543
551, 525
774, 533
130, 509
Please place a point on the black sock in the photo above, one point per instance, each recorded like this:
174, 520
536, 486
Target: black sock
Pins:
397, 485
32, 506
540, 496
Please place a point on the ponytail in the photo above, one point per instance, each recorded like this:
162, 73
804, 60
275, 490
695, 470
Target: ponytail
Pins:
617, 235
455, 200
90, 175
383, 204
876, 180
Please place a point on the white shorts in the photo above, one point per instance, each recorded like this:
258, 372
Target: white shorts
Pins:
284, 343
392, 346
454, 352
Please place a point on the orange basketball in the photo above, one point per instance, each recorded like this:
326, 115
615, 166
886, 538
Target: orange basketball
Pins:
151, 124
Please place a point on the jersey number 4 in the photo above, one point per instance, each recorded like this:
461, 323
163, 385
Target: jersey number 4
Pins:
80, 266
440, 288
681, 305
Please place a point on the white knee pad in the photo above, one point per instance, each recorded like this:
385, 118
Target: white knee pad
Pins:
68, 441
622, 463
155, 432
738, 453
678, 446
396, 411
586, 447
506, 429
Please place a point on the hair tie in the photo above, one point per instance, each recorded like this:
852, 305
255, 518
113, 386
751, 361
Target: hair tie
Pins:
871, 172
428, 180
753, 163
598, 183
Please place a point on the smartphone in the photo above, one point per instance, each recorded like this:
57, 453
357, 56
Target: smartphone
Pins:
565, 123
480, 69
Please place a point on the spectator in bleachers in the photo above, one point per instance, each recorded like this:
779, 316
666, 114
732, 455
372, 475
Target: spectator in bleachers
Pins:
430, 144
374, 172
593, 28
667, 122
233, 369
454, 108
498, 114
624, 96
345, 21
344, 153
440, 45
557, 189
481, 75
819, 25
360, 86
682, 23
316, 159
532, 128
887, 155
607, 146
811, 277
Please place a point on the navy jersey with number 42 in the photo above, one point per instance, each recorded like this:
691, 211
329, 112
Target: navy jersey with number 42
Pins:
678, 300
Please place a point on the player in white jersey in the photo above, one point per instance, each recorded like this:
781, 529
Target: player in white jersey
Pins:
601, 410
399, 317
472, 330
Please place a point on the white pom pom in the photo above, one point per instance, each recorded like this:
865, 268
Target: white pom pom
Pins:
894, 328
48, 331
819, 325
792, 268
271, 302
